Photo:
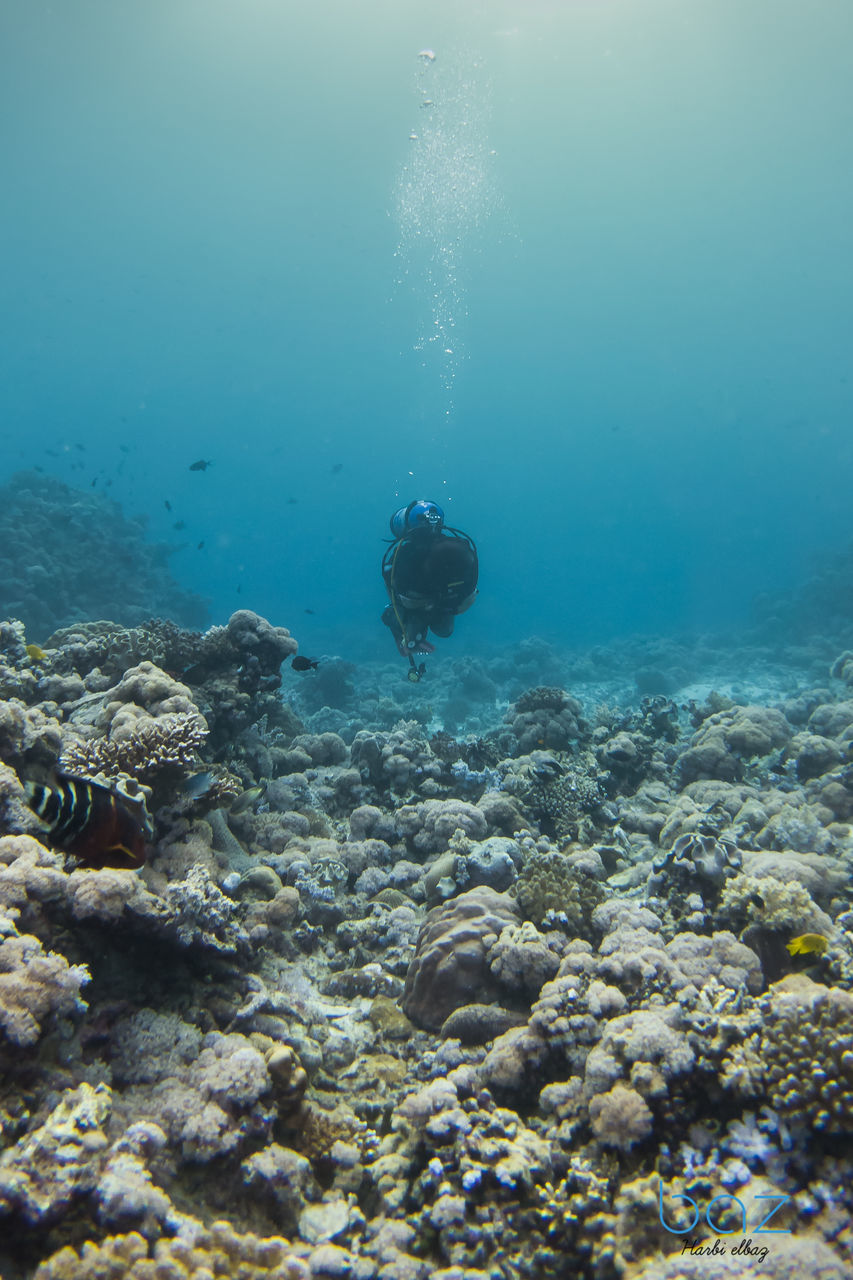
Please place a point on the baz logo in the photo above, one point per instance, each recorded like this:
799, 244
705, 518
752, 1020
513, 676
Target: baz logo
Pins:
745, 1247
733, 1200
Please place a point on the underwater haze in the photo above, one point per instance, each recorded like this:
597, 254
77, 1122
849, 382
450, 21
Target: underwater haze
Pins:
578, 270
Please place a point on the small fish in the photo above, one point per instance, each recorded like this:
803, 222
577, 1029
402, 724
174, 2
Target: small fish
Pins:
305, 664
199, 545
35, 653
200, 465
94, 482
308, 611
198, 785
179, 524
102, 828
125, 448
248, 799
339, 466
291, 502
167, 504
808, 944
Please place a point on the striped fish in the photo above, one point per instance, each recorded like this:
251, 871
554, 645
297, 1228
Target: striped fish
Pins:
102, 828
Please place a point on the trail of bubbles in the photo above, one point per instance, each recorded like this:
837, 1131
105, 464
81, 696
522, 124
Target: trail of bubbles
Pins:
443, 196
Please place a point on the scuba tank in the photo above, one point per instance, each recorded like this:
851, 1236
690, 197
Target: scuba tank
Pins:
420, 514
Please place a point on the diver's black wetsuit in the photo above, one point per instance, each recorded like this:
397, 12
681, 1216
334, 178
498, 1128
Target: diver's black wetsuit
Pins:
431, 576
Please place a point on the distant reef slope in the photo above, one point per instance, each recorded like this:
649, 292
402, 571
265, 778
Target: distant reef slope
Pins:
67, 555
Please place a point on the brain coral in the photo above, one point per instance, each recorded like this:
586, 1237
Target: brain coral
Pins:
450, 966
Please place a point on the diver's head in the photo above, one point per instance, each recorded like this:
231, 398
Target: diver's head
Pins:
420, 514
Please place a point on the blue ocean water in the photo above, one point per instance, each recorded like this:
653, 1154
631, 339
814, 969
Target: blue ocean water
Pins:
583, 276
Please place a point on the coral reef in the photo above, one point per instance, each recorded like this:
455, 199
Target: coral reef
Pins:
68, 554
417, 986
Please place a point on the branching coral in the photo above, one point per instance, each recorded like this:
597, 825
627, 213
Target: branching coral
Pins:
170, 741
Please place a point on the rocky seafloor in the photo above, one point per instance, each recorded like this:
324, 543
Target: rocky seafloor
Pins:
493, 978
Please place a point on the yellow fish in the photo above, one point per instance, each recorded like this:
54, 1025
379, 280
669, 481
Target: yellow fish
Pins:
35, 654
807, 944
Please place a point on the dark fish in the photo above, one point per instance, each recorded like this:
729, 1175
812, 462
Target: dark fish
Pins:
305, 664
94, 482
308, 611
248, 799
179, 524
198, 785
200, 545
102, 828
339, 466
167, 504
291, 502
239, 587
81, 447
201, 465
125, 448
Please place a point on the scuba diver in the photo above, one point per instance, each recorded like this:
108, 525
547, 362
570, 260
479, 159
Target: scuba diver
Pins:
430, 573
